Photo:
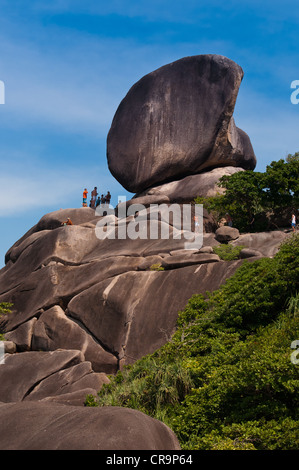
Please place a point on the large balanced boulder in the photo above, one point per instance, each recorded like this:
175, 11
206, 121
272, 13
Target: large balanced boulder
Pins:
52, 426
177, 121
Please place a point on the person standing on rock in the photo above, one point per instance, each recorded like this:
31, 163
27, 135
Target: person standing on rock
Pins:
108, 198
94, 194
85, 192
229, 220
293, 222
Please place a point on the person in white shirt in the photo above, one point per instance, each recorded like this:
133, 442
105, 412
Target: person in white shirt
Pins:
293, 222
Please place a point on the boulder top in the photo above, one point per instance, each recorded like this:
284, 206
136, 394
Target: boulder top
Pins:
177, 121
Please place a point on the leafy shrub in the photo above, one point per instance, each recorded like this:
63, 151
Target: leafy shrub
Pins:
293, 305
156, 267
227, 252
5, 308
90, 400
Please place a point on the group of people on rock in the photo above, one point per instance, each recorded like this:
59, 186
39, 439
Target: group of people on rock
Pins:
96, 199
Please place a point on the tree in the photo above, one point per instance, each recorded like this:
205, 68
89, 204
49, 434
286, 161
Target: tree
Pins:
244, 197
254, 199
281, 181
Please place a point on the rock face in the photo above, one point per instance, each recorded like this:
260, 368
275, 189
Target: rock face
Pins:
82, 308
266, 243
62, 375
49, 426
226, 234
87, 300
73, 291
190, 187
177, 121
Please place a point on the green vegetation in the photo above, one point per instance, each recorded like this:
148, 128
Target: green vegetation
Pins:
226, 380
156, 267
256, 200
5, 308
228, 252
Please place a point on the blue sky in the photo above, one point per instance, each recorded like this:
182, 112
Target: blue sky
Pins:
67, 64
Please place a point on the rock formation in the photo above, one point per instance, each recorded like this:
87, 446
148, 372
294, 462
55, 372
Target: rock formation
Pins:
178, 121
187, 189
87, 306
83, 305
48, 426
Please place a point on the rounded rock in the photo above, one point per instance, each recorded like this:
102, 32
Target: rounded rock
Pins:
177, 121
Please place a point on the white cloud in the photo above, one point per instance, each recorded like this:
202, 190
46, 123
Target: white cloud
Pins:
23, 193
78, 87
28, 185
49, 90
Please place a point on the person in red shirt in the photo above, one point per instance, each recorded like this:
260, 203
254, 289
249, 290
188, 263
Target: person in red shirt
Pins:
67, 222
85, 192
